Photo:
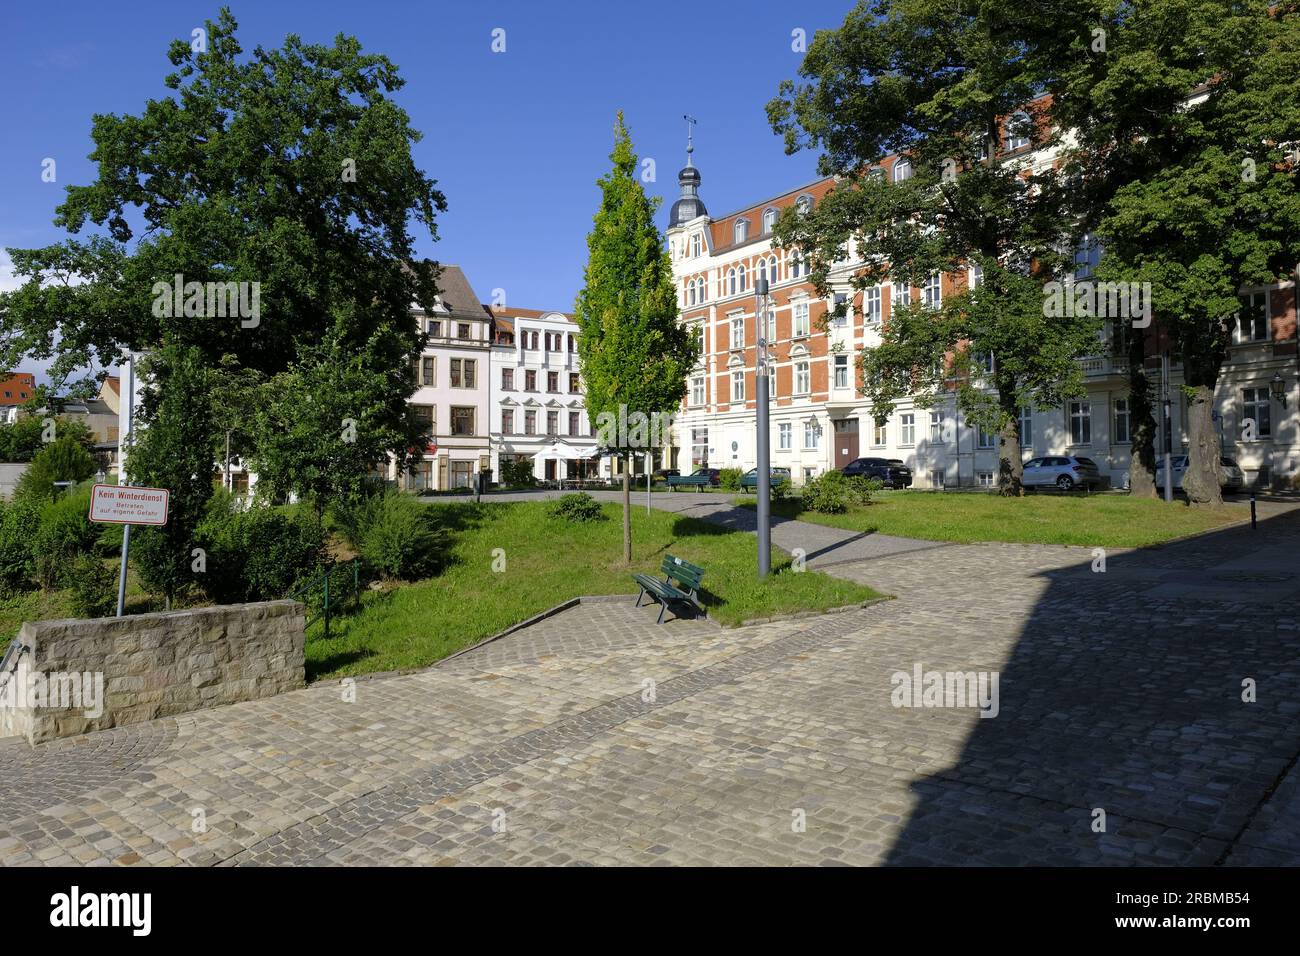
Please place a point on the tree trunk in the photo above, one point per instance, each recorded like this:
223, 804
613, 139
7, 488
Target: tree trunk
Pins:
1142, 425
627, 509
1011, 467
1201, 479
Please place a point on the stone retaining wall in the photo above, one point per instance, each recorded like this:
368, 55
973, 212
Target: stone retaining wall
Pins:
154, 665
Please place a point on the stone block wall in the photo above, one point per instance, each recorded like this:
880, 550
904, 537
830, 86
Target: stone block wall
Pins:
158, 665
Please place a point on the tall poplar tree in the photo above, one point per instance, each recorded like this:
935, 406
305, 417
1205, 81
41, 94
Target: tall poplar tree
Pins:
633, 353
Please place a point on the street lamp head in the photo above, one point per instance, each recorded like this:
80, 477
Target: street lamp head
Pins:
1277, 388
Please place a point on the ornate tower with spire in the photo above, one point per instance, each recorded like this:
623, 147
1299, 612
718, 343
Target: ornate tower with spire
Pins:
688, 205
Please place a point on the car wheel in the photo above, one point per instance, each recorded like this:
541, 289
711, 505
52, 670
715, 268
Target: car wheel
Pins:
1065, 482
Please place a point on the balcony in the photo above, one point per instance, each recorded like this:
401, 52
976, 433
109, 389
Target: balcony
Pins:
1103, 366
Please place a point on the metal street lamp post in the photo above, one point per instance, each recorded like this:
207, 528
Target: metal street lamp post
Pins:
764, 509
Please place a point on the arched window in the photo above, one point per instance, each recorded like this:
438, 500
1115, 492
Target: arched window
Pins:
1018, 130
902, 169
690, 293
762, 269
703, 290
741, 276
804, 204
742, 230
769, 220
794, 265
774, 271
731, 282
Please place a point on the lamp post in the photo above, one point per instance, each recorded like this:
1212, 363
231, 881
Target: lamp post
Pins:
764, 490
1167, 423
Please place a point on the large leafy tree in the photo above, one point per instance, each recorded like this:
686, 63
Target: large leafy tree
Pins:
290, 168
1186, 117
946, 87
633, 352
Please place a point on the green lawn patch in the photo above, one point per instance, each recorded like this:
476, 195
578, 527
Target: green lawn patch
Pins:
546, 562
1108, 520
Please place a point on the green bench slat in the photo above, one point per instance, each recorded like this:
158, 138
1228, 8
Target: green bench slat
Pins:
678, 572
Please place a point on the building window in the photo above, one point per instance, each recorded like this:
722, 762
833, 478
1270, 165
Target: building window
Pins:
908, 424
1256, 406
810, 435
507, 380
575, 383
771, 325
1087, 257
695, 245
573, 345
741, 231
784, 436
1026, 427
697, 390
737, 386
769, 221
462, 474
976, 276
740, 278
530, 380
902, 294
462, 373
552, 381
871, 305
880, 434
936, 478
1018, 129
1080, 423
771, 382
427, 369
804, 204
931, 294
462, 420
575, 423
552, 423
1122, 422
802, 379
435, 328
738, 333
936, 427
841, 371
462, 330
841, 299
699, 447
731, 282
985, 479
507, 421
902, 169
985, 439
530, 422
1252, 320
424, 414
801, 323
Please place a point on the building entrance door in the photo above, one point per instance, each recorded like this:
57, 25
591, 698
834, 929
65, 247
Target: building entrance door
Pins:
846, 441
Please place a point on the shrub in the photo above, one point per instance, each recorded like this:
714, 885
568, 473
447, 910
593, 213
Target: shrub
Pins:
19, 523
400, 537
256, 555
729, 479
64, 535
93, 587
833, 492
64, 459
577, 507
518, 474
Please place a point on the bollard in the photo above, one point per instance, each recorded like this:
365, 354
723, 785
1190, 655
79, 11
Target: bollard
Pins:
1253, 523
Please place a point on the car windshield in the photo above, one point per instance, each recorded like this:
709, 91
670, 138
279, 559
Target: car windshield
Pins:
1087, 461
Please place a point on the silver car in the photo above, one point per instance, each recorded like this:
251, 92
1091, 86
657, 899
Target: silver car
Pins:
1231, 477
1064, 472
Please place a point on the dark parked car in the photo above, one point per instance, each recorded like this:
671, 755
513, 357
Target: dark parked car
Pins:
891, 471
749, 480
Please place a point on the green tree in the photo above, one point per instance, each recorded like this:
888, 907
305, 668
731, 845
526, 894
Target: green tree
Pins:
30, 433
1185, 144
174, 451
64, 459
633, 352
289, 168
946, 87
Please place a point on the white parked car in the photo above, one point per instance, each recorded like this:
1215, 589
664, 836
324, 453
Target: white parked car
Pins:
1231, 477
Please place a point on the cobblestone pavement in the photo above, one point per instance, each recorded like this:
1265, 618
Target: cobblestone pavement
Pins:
595, 737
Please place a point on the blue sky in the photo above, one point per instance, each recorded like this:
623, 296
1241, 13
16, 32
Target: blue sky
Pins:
516, 140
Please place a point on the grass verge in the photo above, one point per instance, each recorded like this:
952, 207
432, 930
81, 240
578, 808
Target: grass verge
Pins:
546, 561
1108, 521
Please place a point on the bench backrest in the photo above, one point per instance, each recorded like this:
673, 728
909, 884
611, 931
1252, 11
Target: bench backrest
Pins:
686, 575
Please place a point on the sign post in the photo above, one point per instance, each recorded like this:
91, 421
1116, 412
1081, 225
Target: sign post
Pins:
764, 490
127, 505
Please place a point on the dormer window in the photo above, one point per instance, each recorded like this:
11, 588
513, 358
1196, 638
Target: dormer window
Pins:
804, 204
741, 230
902, 169
695, 245
1018, 130
769, 221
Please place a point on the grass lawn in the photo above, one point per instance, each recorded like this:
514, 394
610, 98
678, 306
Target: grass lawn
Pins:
548, 561
1110, 521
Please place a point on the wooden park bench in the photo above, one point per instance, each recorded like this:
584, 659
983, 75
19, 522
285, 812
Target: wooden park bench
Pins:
681, 585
